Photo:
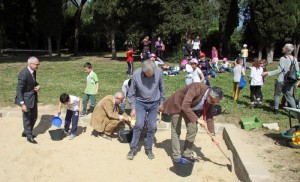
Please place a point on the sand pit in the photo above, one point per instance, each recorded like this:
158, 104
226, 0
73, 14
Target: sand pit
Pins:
90, 158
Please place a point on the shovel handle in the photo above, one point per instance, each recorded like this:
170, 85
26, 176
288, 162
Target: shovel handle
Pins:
217, 144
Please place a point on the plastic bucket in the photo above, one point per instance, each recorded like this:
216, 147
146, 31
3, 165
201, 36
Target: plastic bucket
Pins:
56, 121
184, 169
56, 135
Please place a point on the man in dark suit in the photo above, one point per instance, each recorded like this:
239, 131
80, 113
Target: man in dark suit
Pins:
27, 98
190, 103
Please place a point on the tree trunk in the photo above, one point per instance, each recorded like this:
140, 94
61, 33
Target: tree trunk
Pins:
49, 46
113, 44
260, 49
297, 46
220, 50
57, 40
77, 30
270, 53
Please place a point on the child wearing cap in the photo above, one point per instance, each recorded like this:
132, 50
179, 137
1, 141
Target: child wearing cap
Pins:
197, 73
244, 52
225, 65
156, 60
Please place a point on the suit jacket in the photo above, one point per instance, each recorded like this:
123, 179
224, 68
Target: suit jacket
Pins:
25, 89
183, 100
103, 110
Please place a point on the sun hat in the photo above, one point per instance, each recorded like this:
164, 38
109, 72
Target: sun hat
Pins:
152, 55
225, 59
194, 61
245, 45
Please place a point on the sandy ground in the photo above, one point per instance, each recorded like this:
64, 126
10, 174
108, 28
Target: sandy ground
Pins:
90, 158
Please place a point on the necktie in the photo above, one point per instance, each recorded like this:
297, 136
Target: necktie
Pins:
33, 76
204, 111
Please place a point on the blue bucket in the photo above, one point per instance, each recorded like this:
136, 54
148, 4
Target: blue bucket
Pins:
56, 121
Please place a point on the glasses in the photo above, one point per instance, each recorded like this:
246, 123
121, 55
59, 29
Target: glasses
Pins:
212, 101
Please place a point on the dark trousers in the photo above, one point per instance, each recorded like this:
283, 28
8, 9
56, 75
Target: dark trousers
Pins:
29, 119
130, 68
255, 91
141, 111
71, 116
160, 54
196, 53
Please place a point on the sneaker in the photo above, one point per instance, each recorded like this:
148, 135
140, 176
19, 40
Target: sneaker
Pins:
105, 137
82, 114
66, 133
72, 136
259, 104
150, 154
184, 160
251, 106
130, 155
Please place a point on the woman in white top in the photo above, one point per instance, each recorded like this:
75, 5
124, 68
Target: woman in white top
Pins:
196, 47
256, 82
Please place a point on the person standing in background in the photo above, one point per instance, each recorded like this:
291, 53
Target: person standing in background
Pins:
160, 47
245, 53
129, 61
196, 47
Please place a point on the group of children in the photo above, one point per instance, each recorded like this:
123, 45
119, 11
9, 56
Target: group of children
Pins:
256, 79
76, 106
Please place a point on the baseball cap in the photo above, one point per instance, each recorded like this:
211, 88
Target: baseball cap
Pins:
202, 55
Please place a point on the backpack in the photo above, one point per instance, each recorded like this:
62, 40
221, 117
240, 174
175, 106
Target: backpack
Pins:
217, 109
291, 75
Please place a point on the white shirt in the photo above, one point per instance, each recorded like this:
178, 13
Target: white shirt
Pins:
125, 87
255, 75
200, 105
196, 75
196, 45
73, 104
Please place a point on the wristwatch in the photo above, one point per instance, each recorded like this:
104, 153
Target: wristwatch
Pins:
22, 103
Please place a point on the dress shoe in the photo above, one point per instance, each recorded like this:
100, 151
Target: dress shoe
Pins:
24, 135
31, 140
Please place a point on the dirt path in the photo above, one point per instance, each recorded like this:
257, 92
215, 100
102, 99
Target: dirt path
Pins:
90, 158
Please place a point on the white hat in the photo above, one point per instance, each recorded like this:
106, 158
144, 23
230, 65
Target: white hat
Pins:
245, 45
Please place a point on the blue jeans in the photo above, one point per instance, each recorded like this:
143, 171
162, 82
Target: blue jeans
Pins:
245, 62
141, 109
71, 116
130, 68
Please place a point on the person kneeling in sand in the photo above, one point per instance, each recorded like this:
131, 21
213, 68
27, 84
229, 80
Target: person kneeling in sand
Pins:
107, 115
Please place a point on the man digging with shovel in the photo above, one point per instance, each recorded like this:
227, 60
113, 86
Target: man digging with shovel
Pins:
190, 103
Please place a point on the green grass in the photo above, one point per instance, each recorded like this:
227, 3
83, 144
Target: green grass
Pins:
58, 75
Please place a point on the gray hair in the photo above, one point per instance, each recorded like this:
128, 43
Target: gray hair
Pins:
289, 47
149, 66
31, 60
119, 94
216, 93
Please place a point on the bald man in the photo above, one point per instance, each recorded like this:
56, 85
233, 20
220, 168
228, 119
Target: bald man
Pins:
27, 97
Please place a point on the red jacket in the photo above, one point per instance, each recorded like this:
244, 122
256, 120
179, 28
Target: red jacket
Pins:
129, 55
